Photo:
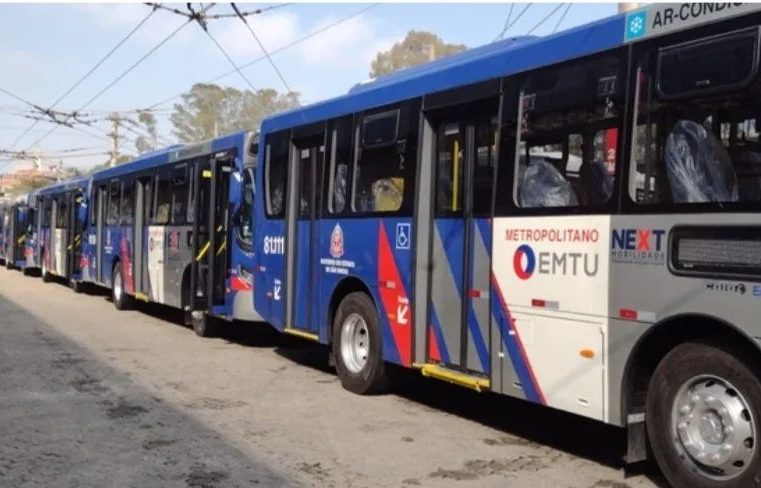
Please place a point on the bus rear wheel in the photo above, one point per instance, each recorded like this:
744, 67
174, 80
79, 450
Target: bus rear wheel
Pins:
45, 273
357, 346
703, 414
122, 301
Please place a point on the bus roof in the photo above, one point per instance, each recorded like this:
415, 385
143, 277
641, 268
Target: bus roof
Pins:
501, 58
72, 184
172, 154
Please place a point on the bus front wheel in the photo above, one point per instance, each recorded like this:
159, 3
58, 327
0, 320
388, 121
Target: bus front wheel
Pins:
703, 414
357, 345
204, 325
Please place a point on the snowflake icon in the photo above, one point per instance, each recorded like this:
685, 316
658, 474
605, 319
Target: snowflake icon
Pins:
636, 25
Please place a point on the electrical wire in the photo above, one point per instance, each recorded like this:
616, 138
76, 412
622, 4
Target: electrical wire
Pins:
518, 17
87, 75
501, 35
562, 17
261, 46
546, 17
276, 51
230, 60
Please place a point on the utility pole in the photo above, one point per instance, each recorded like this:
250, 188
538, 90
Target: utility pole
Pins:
116, 121
431, 52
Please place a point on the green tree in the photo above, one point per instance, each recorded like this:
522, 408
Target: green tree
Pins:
417, 47
146, 121
208, 110
29, 183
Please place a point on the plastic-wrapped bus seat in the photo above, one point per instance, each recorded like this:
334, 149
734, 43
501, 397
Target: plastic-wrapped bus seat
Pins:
387, 194
698, 166
542, 185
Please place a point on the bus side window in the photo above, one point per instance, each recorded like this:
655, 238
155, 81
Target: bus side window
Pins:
340, 159
163, 199
128, 203
695, 137
384, 163
179, 194
114, 193
569, 119
276, 173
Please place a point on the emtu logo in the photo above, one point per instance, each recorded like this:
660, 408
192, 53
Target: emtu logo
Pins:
636, 26
524, 262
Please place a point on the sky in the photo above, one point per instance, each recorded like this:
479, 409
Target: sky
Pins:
46, 48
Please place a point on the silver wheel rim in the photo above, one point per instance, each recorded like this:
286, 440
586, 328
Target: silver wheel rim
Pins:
117, 286
713, 428
355, 342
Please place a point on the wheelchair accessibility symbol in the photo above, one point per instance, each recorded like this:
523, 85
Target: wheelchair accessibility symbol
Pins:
402, 236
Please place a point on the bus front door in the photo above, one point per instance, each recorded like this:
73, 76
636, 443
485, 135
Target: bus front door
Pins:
301, 280
209, 269
458, 314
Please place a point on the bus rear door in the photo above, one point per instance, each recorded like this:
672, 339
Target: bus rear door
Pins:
459, 315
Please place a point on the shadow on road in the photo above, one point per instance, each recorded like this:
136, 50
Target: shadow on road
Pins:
68, 419
575, 435
531, 423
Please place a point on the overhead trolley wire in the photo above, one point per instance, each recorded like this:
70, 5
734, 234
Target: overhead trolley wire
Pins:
507, 22
87, 75
562, 17
123, 74
276, 51
546, 17
261, 46
202, 22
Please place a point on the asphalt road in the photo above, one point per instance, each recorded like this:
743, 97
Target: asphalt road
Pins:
93, 397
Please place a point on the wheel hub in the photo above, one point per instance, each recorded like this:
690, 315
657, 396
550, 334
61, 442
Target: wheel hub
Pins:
714, 429
355, 342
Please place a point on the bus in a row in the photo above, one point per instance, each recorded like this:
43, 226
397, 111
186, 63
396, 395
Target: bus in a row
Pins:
570, 220
18, 233
173, 226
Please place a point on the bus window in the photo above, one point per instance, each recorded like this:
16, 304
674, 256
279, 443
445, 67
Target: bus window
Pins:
114, 193
276, 173
46, 213
180, 187
569, 120
127, 204
163, 199
245, 214
61, 213
449, 169
340, 159
697, 142
384, 163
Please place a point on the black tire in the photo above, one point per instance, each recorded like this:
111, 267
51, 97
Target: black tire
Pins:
122, 301
682, 364
372, 378
27, 271
78, 286
204, 325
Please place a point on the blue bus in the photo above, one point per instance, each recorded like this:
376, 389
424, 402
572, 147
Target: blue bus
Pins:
19, 233
61, 210
569, 220
175, 227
